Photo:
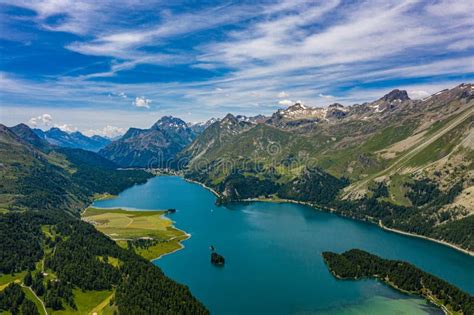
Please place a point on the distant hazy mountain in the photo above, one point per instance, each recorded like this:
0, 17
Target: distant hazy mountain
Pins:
150, 147
57, 137
199, 127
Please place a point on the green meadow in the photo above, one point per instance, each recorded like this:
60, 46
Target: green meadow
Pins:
149, 232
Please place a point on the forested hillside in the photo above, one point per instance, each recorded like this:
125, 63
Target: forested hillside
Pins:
358, 264
45, 247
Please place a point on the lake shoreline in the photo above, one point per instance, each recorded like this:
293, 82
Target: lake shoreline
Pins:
188, 236
428, 297
266, 230
201, 184
453, 246
331, 210
162, 213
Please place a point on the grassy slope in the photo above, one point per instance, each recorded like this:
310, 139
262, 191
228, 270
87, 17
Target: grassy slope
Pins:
5, 280
30, 296
86, 302
431, 147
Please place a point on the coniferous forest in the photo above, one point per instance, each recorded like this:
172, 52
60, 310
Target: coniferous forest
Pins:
41, 230
358, 264
141, 287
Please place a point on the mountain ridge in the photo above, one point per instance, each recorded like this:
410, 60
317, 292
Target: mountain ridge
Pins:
385, 155
153, 147
60, 138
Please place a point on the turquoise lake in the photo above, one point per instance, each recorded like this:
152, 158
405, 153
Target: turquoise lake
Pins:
273, 255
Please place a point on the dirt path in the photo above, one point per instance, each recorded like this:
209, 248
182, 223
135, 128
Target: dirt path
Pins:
130, 222
96, 310
37, 297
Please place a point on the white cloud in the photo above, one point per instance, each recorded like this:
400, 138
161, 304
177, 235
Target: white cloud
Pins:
283, 94
141, 101
418, 94
286, 102
66, 127
44, 120
326, 96
107, 131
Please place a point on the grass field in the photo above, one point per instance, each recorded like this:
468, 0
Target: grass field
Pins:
111, 260
87, 302
124, 226
5, 280
104, 307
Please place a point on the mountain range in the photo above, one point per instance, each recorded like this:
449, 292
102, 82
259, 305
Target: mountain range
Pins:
404, 164
60, 138
153, 147
45, 244
45, 176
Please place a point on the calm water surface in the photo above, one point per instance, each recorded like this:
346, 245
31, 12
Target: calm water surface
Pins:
273, 255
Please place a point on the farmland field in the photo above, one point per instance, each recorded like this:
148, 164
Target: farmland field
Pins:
150, 233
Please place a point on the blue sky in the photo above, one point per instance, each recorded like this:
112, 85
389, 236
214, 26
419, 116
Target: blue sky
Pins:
103, 66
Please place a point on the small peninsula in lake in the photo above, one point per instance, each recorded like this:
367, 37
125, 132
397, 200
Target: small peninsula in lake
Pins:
403, 276
149, 233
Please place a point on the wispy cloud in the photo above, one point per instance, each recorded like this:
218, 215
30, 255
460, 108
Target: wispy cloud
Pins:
282, 94
245, 58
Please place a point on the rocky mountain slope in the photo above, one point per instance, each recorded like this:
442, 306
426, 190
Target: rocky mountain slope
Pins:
30, 136
57, 137
155, 147
199, 127
215, 136
394, 151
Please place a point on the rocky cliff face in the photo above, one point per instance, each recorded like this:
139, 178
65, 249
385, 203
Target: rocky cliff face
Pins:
155, 147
